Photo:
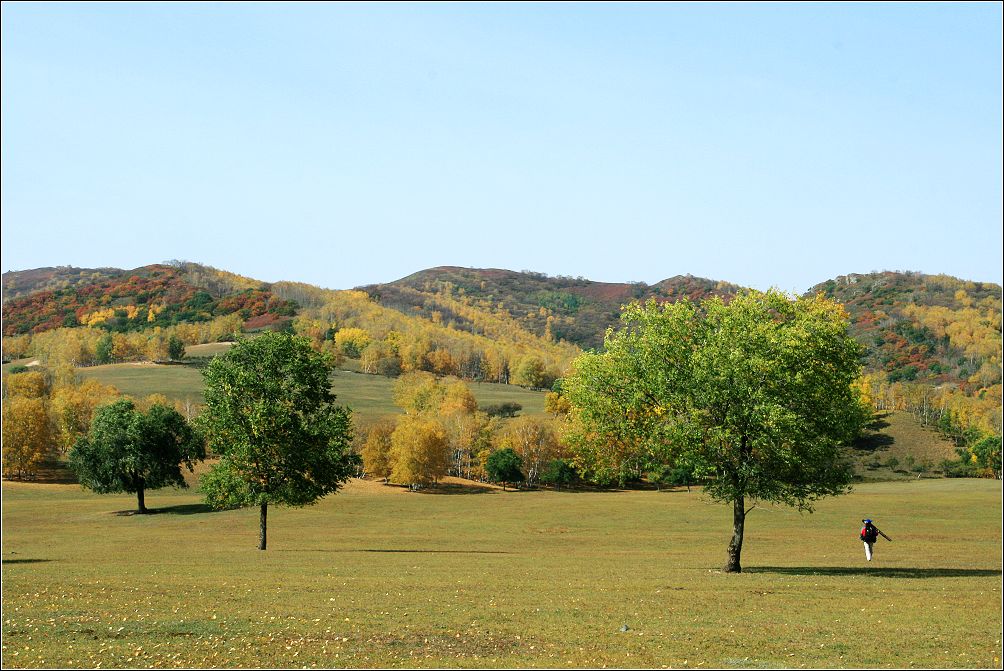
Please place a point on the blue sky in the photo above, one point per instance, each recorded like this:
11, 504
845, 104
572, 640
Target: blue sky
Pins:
346, 144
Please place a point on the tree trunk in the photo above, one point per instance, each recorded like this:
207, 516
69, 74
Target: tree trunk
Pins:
140, 503
262, 527
736, 545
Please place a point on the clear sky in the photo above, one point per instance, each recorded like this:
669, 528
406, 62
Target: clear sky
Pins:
346, 144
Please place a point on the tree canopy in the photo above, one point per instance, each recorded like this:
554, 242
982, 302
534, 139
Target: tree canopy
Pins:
127, 450
504, 466
270, 414
755, 394
420, 450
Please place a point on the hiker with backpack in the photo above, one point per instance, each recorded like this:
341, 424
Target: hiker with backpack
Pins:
869, 534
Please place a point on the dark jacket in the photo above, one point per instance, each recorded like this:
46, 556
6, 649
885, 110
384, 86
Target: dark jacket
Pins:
869, 533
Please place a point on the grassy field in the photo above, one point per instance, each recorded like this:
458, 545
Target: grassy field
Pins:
207, 350
369, 396
379, 577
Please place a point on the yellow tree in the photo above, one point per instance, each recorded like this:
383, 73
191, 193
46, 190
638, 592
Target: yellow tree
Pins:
380, 358
16, 347
144, 404
535, 441
73, 406
457, 398
420, 451
27, 435
555, 404
31, 384
122, 347
442, 362
376, 451
352, 341
417, 392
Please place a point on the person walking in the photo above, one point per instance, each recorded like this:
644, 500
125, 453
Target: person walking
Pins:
869, 534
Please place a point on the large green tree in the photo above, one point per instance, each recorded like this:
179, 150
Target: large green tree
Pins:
270, 414
755, 394
126, 450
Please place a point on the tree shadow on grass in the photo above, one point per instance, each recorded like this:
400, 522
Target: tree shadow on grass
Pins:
452, 489
457, 552
877, 572
873, 441
24, 561
183, 509
393, 551
878, 422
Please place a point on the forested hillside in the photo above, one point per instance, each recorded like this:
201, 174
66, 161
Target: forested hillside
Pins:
24, 282
104, 317
575, 310
932, 348
919, 327
121, 301
932, 343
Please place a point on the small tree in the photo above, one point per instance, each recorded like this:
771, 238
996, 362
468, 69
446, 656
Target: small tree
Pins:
555, 404
530, 373
533, 439
126, 450
352, 341
420, 451
504, 466
507, 409
557, 473
376, 450
175, 348
103, 349
28, 435
986, 454
682, 474
270, 413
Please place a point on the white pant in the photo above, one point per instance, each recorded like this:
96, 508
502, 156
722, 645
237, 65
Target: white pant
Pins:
868, 550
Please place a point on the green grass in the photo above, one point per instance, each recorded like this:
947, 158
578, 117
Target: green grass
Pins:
377, 577
207, 350
369, 396
178, 383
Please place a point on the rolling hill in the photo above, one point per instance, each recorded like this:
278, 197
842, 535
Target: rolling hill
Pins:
932, 343
119, 300
934, 329
575, 310
914, 327
931, 329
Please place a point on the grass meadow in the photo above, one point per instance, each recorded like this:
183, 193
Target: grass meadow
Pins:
369, 396
379, 577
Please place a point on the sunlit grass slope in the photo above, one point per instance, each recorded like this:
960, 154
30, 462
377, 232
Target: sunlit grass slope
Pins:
369, 396
378, 577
